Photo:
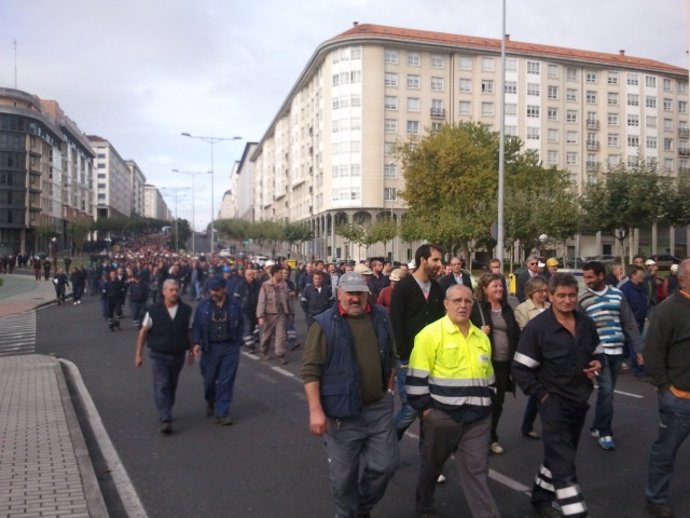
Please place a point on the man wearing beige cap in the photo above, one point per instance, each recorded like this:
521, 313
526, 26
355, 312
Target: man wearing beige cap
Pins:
384, 298
348, 376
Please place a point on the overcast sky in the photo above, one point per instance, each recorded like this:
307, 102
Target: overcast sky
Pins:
139, 72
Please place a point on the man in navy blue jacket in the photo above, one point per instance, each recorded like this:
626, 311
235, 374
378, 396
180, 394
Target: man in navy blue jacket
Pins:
217, 338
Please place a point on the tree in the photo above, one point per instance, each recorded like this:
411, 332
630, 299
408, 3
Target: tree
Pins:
383, 230
451, 180
297, 233
354, 233
630, 197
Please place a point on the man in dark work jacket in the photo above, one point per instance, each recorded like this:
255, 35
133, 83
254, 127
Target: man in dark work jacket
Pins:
166, 330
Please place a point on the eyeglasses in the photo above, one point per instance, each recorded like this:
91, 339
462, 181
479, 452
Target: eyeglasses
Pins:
533, 264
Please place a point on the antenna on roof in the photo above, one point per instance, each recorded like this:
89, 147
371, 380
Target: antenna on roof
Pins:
14, 42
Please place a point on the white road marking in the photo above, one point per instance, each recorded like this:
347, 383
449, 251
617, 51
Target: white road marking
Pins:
283, 372
638, 396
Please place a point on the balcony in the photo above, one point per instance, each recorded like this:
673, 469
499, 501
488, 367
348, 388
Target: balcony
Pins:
592, 125
683, 151
592, 145
684, 132
592, 167
438, 113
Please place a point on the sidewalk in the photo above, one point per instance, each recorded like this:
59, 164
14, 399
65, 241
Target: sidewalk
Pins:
45, 469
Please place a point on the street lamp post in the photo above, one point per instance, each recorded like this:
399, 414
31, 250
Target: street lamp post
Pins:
175, 191
193, 174
212, 141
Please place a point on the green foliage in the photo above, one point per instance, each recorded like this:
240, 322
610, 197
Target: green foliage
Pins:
295, 233
352, 232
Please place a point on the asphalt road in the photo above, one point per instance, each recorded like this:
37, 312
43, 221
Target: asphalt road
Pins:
268, 465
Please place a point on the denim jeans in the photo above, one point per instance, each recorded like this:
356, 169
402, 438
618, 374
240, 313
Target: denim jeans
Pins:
674, 427
406, 415
603, 414
166, 372
219, 369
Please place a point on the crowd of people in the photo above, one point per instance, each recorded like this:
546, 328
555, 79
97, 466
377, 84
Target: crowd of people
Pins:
449, 345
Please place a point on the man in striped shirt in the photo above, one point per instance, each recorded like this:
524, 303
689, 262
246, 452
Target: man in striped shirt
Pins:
615, 321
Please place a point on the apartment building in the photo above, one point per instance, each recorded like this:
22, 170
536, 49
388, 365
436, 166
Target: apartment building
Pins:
327, 157
137, 180
238, 201
154, 204
113, 193
46, 173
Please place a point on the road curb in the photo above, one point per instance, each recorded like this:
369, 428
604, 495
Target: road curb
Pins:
121, 481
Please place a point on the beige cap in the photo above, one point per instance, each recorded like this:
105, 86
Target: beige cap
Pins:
396, 275
362, 269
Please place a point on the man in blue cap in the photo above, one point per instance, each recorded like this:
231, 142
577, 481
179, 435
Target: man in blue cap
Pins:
217, 338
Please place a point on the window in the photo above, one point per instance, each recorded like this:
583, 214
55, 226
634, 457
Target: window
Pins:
533, 67
667, 85
668, 144
651, 121
682, 87
612, 98
488, 65
633, 120
510, 87
390, 126
553, 72
356, 99
682, 107
552, 157
571, 158
413, 59
436, 127
612, 119
465, 85
633, 141
552, 92
355, 169
413, 81
552, 113
413, 127
511, 109
465, 63
650, 81
668, 105
465, 108
390, 102
612, 78
438, 61
336, 79
437, 84
389, 148
613, 140
632, 160
651, 141
511, 65
591, 97
437, 107
355, 53
633, 79
487, 109
571, 95
591, 77
413, 104
613, 160
512, 131
571, 137
390, 57
532, 110
532, 133
532, 88
487, 86
668, 125
571, 75
391, 79
390, 193
571, 116
668, 165
633, 100
390, 171
552, 136
650, 101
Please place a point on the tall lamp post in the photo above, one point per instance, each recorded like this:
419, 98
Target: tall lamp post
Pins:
193, 174
212, 141
175, 191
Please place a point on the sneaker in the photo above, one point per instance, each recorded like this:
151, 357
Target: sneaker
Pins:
659, 510
496, 448
441, 479
532, 435
166, 427
225, 420
606, 442
283, 360
595, 433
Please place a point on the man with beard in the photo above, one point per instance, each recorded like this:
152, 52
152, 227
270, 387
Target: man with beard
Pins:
416, 302
217, 338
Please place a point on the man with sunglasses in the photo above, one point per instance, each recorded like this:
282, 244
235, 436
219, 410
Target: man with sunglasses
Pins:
532, 270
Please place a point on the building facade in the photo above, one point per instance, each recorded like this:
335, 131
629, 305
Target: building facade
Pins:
327, 157
46, 174
137, 180
113, 192
154, 204
238, 201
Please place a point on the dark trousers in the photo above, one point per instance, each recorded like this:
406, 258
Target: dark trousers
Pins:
138, 310
219, 368
442, 436
166, 372
502, 376
561, 423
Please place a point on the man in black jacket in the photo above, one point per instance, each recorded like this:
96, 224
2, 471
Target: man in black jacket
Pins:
114, 293
165, 329
416, 301
456, 276
316, 298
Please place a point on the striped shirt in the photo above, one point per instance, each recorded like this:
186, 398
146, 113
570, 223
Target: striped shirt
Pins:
605, 309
